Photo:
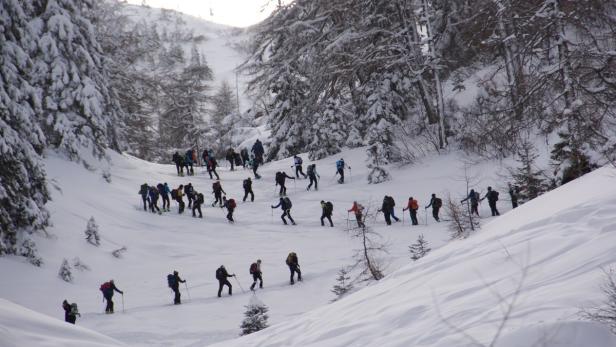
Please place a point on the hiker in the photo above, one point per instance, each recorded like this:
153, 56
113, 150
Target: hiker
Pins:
255, 271
143, 191
188, 162
206, 160
312, 174
230, 205
340, 165
392, 205
358, 210
412, 206
177, 195
212, 166
174, 283
473, 196
298, 166
221, 276
163, 191
258, 151
199, 200
386, 209
245, 157
247, 184
514, 194
179, 163
327, 210
281, 177
285, 204
492, 196
108, 288
154, 200
293, 264
190, 194
436, 204
254, 163
217, 191
231, 157
70, 312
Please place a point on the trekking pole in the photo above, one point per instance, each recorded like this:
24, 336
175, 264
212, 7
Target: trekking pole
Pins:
350, 175
123, 311
402, 217
425, 209
238, 282
348, 216
187, 291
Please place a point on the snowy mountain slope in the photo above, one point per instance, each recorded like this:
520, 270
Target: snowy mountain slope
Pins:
542, 260
20, 327
156, 245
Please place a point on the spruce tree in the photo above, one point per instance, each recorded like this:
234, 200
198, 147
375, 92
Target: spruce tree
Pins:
529, 180
329, 131
92, 232
220, 125
65, 272
255, 316
568, 158
344, 285
419, 249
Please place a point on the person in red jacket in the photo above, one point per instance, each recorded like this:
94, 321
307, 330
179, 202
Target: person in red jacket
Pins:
412, 206
358, 210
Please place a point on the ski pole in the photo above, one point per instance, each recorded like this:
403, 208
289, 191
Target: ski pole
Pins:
348, 216
187, 291
350, 175
123, 311
238, 282
402, 217
426, 216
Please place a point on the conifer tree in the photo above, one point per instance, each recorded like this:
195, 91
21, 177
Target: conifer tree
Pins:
255, 316
92, 232
529, 180
419, 249
344, 285
65, 272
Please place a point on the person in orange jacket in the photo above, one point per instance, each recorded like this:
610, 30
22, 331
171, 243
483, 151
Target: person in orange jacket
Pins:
358, 210
412, 206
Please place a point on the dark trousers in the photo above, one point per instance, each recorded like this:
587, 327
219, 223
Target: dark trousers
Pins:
145, 202
413, 216
218, 197
179, 168
299, 170
393, 214
359, 218
341, 173
181, 203
283, 190
287, 213
493, 208
230, 214
215, 173
294, 269
329, 218
209, 171
387, 216
224, 282
313, 179
231, 162
435, 213
514, 203
154, 205
166, 202
176, 298
109, 308
256, 277
475, 208
249, 191
197, 207
255, 166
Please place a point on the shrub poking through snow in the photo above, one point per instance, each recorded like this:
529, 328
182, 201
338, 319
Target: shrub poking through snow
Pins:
344, 285
79, 265
367, 258
28, 250
92, 232
118, 252
419, 249
255, 316
606, 313
65, 272
461, 221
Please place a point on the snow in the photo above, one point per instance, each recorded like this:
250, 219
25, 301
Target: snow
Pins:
562, 239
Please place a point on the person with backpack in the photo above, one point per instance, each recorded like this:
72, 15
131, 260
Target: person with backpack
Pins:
247, 184
312, 174
281, 177
206, 160
293, 265
412, 206
258, 151
108, 288
327, 209
173, 281
297, 160
199, 200
358, 210
189, 191
154, 200
213, 165
386, 209
221, 276
179, 197
231, 158
177, 159
144, 191
285, 204
436, 204
473, 197
70, 312
492, 196
392, 204
230, 205
163, 192
514, 194
255, 271
254, 163
217, 191
340, 166
188, 162
245, 157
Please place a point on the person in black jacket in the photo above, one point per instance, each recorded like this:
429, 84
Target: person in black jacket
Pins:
312, 174
143, 191
474, 199
190, 194
245, 157
255, 271
293, 264
436, 204
108, 289
492, 196
285, 205
247, 184
386, 209
69, 315
221, 276
327, 210
217, 191
176, 288
213, 165
281, 177
179, 163
199, 199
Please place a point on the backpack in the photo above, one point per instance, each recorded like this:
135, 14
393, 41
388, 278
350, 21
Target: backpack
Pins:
287, 203
299, 161
144, 189
329, 207
360, 208
106, 288
278, 177
171, 282
291, 258
310, 170
200, 199
174, 194
414, 204
216, 186
231, 203
253, 268
74, 309
391, 201
246, 184
495, 195
340, 164
437, 203
219, 274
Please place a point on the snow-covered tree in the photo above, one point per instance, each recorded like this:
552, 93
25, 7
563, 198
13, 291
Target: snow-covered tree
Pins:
419, 249
461, 222
528, 180
92, 232
329, 131
65, 272
343, 285
222, 116
255, 316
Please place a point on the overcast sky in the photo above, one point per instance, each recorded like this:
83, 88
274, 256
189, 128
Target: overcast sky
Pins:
239, 13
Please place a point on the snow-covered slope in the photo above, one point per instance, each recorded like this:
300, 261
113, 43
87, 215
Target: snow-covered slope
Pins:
20, 327
532, 269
